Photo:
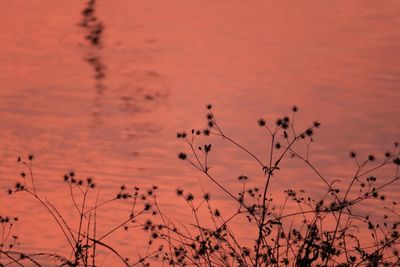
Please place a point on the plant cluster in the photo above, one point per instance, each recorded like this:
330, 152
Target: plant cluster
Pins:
84, 240
328, 230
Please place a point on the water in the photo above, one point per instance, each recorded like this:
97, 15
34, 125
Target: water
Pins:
110, 106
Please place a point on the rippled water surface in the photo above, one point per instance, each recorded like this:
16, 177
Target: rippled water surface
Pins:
105, 94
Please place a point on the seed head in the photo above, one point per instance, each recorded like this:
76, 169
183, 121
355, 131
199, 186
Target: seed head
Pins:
207, 196
179, 192
261, 122
189, 197
309, 132
182, 156
316, 124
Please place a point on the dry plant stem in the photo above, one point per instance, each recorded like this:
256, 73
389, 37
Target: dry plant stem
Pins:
175, 247
341, 210
11, 258
54, 216
21, 257
30, 258
31, 175
140, 261
63, 220
270, 171
99, 242
78, 250
204, 168
356, 176
111, 249
221, 134
200, 232
165, 223
95, 230
71, 192
205, 171
4, 236
86, 252
316, 172
264, 211
99, 205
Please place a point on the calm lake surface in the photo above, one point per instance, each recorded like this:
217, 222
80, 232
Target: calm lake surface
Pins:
110, 107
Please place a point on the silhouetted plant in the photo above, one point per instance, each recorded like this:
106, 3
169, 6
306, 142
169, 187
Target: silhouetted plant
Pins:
329, 230
83, 239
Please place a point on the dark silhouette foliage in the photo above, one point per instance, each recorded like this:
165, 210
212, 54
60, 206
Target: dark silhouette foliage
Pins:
331, 229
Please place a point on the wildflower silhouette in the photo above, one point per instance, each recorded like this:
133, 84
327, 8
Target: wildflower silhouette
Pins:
84, 239
330, 229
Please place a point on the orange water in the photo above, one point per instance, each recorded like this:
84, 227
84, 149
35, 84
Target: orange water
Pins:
162, 62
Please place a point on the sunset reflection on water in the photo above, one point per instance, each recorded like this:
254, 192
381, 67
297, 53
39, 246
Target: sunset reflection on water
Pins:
103, 88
